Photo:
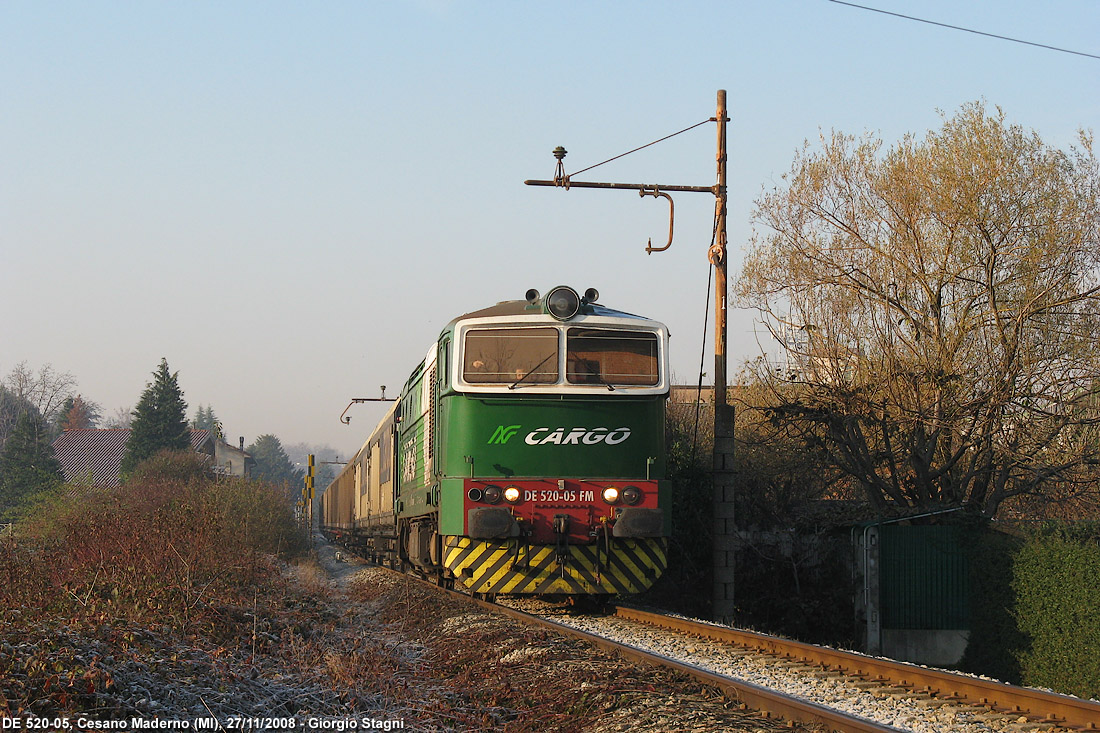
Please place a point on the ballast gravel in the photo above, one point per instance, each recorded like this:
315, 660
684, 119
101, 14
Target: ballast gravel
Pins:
898, 712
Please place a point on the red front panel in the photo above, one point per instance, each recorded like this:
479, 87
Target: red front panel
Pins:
543, 500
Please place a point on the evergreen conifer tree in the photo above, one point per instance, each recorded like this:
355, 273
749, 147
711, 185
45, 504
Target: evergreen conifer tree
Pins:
27, 465
272, 462
160, 420
205, 419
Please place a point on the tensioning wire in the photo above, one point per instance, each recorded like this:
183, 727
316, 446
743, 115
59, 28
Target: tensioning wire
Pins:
623, 155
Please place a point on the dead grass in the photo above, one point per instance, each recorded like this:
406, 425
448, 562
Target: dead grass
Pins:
177, 597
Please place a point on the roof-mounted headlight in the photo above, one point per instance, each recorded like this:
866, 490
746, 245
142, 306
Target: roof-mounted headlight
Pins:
563, 302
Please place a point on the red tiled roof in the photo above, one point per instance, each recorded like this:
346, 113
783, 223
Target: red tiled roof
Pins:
92, 456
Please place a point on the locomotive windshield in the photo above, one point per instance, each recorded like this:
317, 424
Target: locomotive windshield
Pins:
609, 356
512, 357
505, 355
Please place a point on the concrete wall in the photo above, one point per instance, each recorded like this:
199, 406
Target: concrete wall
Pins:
939, 648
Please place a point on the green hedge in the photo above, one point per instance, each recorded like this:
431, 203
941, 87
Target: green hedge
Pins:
1036, 608
1057, 587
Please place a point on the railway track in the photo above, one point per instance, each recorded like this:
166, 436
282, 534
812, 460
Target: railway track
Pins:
768, 702
909, 697
920, 698
754, 696
934, 699
986, 697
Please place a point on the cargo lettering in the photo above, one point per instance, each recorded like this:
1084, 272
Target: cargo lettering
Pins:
576, 436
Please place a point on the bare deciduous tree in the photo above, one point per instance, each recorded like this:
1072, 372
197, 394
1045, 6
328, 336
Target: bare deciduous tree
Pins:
938, 302
122, 417
47, 389
44, 391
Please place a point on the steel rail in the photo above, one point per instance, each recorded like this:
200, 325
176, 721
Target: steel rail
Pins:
1039, 705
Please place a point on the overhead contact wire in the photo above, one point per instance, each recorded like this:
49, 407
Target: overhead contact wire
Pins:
968, 30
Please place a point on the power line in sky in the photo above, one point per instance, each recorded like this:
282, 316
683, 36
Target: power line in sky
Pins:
968, 30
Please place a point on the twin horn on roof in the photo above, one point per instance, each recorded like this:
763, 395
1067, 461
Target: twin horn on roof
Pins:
563, 302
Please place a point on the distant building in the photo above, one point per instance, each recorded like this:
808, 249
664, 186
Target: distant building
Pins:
232, 461
689, 394
92, 456
815, 360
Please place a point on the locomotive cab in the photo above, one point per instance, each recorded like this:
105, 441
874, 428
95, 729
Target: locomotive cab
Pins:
552, 418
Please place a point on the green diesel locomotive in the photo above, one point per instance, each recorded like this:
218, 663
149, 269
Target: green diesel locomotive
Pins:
525, 455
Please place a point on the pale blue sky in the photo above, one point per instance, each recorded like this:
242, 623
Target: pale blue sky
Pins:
289, 200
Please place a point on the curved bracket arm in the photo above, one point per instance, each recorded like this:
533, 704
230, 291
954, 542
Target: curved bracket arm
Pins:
357, 400
655, 192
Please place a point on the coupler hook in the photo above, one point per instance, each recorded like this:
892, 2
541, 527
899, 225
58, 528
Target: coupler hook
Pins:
561, 532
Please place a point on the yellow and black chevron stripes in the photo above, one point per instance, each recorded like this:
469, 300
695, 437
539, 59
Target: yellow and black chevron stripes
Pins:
513, 567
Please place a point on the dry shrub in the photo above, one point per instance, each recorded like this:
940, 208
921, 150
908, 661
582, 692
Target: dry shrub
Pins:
171, 465
173, 558
166, 545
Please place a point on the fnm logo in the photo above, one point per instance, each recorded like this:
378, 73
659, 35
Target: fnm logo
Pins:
503, 434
